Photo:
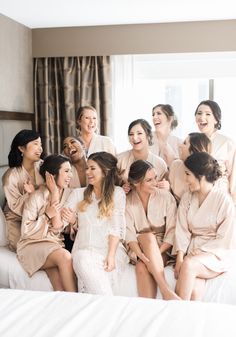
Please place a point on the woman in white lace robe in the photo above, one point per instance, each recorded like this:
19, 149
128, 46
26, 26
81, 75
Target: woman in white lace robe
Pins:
205, 228
99, 258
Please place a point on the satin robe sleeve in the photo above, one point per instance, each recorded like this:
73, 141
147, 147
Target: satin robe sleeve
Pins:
226, 230
35, 223
15, 198
232, 170
131, 234
118, 222
170, 220
182, 233
73, 201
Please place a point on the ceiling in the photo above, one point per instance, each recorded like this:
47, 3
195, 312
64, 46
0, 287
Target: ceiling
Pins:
67, 13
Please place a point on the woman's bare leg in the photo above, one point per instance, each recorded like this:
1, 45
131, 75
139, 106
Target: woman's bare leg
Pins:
55, 279
155, 265
62, 259
147, 286
198, 290
190, 270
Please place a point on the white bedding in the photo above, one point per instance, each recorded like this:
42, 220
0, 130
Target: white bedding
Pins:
221, 289
44, 314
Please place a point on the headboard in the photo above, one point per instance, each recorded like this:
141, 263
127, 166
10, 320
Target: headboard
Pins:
11, 122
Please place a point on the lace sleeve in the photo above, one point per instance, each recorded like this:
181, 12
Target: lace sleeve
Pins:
118, 224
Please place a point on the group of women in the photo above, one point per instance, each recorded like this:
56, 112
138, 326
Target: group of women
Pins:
162, 202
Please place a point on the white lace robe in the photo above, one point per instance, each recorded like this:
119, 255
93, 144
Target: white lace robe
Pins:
91, 244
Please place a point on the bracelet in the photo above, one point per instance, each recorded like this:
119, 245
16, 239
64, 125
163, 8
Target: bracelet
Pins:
47, 216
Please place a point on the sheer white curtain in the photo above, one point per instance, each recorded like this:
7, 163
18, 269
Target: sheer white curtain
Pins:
140, 82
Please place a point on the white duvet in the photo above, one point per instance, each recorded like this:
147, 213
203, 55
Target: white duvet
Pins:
57, 314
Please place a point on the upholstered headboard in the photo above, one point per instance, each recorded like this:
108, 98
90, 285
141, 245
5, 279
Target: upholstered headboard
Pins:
11, 122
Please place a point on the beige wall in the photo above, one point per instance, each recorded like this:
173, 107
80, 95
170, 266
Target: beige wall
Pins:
16, 76
16, 67
135, 39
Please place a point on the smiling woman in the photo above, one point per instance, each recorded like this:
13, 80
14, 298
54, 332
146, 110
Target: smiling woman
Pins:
208, 119
41, 243
21, 179
99, 259
86, 120
181, 80
140, 138
73, 149
205, 228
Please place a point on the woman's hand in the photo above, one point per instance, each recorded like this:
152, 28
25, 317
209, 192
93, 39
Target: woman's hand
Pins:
68, 215
196, 252
109, 263
144, 258
51, 184
29, 187
52, 209
178, 265
126, 187
73, 231
163, 184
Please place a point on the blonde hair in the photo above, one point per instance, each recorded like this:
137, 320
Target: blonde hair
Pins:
80, 113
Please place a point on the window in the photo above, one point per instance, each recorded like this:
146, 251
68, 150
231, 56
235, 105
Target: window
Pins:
182, 80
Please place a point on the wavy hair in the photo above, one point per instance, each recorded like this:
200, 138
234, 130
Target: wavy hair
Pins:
112, 177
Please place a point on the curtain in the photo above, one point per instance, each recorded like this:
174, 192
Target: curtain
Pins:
61, 86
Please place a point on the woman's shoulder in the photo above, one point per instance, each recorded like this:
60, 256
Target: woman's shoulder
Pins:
176, 164
217, 136
161, 193
156, 160
12, 175
39, 196
103, 139
221, 195
123, 154
174, 139
119, 192
78, 191
186, 198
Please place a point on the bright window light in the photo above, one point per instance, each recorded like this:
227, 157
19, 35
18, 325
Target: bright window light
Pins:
183, 80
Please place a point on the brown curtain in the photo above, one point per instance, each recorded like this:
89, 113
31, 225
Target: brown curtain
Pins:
61, 86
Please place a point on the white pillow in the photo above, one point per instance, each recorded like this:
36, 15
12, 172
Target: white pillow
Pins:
3, 237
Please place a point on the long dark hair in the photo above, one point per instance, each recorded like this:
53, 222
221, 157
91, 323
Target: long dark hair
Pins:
22, 138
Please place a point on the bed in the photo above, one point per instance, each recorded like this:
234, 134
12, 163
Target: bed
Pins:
33, 313
221, 289
29, 306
